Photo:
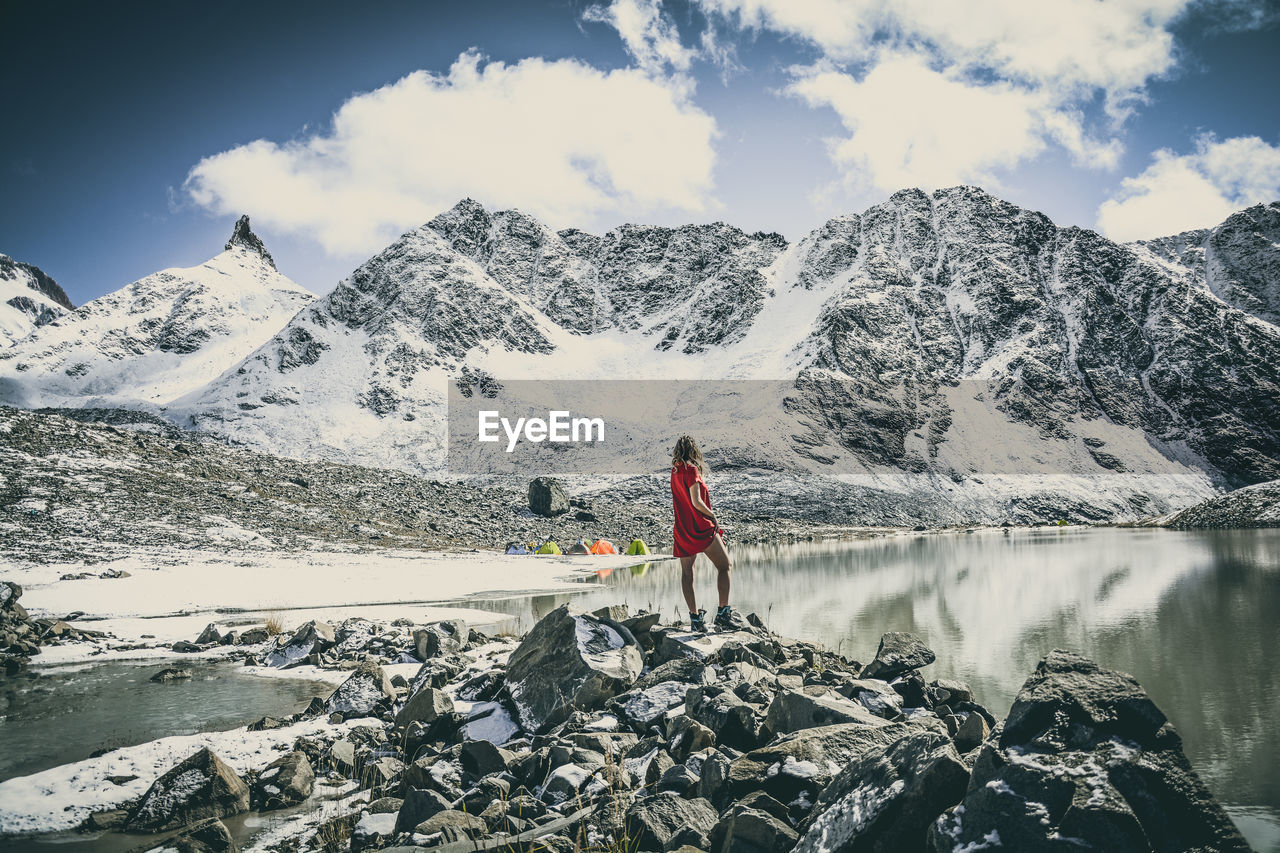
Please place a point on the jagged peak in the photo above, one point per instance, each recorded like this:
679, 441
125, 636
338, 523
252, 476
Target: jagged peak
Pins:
244, 237
37, 279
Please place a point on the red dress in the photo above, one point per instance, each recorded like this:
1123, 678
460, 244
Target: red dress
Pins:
693, 531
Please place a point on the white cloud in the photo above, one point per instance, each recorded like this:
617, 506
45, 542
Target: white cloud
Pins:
934, 92
561, 140
649, 35
910, 125
1181, 192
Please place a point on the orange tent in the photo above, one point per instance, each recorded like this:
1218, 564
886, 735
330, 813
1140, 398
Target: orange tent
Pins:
603, 546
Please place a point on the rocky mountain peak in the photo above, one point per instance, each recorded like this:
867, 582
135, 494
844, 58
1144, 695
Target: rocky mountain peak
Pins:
465, 226
244, 237
36, 278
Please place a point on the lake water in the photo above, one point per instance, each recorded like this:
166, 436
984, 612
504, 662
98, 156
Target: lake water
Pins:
57, 715
1194, 616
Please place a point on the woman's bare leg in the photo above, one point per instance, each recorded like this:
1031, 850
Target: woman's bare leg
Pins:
686, 582
719, 556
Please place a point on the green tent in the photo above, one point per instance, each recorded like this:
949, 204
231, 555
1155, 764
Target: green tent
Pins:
637, 546
551, 548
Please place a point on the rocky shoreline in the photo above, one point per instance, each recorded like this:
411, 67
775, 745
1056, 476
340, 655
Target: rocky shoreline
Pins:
611, 731
1252, 506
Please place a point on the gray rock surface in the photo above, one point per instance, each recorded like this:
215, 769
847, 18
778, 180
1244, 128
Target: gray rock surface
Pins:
1086, 758
200, 787
570, 660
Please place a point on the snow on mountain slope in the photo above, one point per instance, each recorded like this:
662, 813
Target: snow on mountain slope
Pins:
28, 298
158, 338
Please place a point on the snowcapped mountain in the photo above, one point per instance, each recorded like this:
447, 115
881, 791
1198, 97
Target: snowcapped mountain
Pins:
953, 350
158, 338
28, 298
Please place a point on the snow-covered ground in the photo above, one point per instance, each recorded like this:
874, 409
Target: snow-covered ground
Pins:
171, 594
62, 797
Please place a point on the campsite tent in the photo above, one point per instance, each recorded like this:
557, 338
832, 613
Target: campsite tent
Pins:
549, 548
637, 546
603, 546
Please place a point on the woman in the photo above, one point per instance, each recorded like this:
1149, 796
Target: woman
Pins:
697, 531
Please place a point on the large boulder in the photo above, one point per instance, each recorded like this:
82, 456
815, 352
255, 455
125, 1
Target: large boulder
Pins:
310, 638
286, 781
886, 798
812, 706
200, 787
746, 827
447, 637
418, 805
653, 821
805, 761
899, 652
361, 694
1085, 760
735, 723
571, 660
548, 497
426, 706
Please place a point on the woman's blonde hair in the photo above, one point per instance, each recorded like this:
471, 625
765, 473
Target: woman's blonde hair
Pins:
687, 453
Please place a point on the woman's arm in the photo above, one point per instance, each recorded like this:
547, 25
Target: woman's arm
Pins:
696, 499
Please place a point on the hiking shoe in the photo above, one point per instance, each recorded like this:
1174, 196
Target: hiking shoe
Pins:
724, 617
697, 622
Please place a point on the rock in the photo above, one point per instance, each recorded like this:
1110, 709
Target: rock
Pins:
419, 804
286, 781
480, 758
342, 753
971, 733
456, 825
209, 635
886, 798
386, 805
106, 819
713, 779
183, 647
793, 710
254, 636
653, 821
425, 706
688, 736
266, 724
569, 660
564, 783
805, 761
951, 691
360, 695
742, 829
372, 831
10, 592
734, 722
200, 787
170, 674
311, 638
899, 652
1086, 758
644, 707
209, 836
547, 497
874, 695
447, 637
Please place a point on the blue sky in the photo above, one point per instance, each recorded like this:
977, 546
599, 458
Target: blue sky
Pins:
136, 133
